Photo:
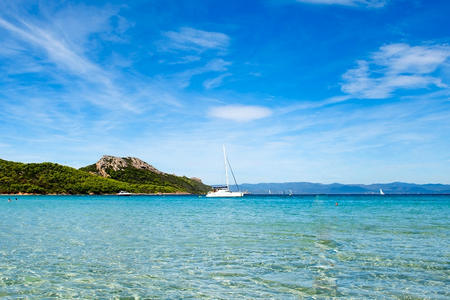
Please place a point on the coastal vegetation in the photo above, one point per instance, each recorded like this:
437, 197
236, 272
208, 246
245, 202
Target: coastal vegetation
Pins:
132, 170
52, 178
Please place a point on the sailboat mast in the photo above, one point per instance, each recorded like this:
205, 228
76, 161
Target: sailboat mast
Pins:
226, 169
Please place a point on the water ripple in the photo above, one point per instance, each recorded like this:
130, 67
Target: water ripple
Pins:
255, 247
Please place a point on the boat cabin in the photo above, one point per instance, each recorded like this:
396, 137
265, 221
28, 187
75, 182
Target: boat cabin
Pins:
219, 188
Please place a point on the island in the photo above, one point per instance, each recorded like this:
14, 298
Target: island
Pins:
109, 175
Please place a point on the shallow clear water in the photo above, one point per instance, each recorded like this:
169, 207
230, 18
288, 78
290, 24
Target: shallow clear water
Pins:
254, 247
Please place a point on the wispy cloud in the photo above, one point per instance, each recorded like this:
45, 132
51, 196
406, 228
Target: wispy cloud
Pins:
63, 37
304, 105
393, 67
201, 50
240, 113
192, 39
186, 60
364, 3
51, 67
216, 65
62, 45
55, 48
61, 56
215, 82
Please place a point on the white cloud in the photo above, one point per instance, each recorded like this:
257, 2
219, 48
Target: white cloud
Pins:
240, 113
194, 40
402, 58
366, 3
393, 67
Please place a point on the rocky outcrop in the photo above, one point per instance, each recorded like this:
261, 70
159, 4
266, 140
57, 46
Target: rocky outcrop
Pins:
131, 170
108, 162
196, 179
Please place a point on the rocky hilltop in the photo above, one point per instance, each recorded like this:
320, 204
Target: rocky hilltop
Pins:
108, 162
136, 171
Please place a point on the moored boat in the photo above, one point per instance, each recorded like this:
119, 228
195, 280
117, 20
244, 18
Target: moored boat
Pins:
224, 191
124, 193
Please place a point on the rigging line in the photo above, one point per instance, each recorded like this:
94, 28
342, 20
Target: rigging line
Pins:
232, 173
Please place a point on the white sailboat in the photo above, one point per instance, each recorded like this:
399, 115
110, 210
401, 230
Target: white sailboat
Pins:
224, 191
381, 192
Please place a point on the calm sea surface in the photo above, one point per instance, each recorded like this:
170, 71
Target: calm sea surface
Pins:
254, 247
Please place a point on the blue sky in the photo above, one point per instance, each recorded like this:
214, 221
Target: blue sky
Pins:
351, 91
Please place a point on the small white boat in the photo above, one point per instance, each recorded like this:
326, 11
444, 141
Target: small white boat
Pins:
224, 191
381, 192
124, 193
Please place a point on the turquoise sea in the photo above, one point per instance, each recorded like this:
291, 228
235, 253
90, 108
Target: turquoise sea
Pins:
255, 247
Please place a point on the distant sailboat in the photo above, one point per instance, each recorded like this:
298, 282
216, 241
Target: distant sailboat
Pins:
381, 192
224, 191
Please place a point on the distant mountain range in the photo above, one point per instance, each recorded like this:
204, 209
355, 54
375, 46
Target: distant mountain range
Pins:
337, 188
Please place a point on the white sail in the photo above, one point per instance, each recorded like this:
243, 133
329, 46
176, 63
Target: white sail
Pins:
381, 192
225, 191
226, 168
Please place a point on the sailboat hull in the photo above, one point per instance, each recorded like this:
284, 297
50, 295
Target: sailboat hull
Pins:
224, 194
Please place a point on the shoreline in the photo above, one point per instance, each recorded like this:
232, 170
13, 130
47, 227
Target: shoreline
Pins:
137, 194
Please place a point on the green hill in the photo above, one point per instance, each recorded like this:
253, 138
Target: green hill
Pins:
51, 178
135, 171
